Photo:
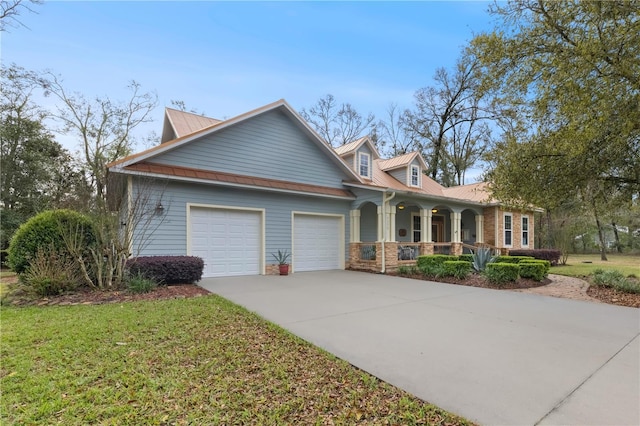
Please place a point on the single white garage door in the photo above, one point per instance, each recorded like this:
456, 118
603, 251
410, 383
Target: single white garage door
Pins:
229, 241
317, 242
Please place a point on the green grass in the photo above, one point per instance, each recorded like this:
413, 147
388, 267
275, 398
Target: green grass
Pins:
183, 361
626, 264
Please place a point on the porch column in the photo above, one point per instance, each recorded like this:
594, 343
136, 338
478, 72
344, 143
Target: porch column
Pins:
354, 228
455, 227
425, 225
380, 219
392, 224
479, 228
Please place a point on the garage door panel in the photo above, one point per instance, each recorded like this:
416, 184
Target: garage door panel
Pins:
229, 241
317, 242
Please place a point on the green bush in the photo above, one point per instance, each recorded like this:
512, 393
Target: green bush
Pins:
46, 231
139, 284
50, 273
512, 259
607, 278
545, 263
533, 270
628, 286
431, 265
407, 269
466, 257
501, 273
456, 268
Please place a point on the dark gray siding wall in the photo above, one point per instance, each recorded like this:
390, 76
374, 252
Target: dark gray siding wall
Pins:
269, 145
166, 234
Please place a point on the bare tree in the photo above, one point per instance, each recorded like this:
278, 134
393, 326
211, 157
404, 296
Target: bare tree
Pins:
103, 126
442, 111
11, 9
337, 124
395, 135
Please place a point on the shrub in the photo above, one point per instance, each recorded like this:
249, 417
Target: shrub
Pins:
546, 263
552, 255
49, 274
45, 231
456, 268
466, 257
139, 284
167, 269
501, 273
607, 278
533, 270
511, 259
407, 269
432, 264
481, 258
628, 286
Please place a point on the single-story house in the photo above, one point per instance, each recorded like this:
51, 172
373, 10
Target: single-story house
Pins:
235, 191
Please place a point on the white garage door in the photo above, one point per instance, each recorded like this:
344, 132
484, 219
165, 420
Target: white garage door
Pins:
229, 241
317, 243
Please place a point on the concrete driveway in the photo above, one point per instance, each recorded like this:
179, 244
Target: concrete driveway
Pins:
494, 357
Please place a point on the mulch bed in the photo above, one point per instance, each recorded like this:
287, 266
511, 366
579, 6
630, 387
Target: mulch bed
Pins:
476, 280
85, 296
614, 297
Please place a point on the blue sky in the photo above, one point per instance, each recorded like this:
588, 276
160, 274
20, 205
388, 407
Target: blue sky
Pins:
225, 58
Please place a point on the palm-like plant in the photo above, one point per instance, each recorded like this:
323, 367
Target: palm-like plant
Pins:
481, 258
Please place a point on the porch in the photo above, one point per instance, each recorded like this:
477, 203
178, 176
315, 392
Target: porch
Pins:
384, 237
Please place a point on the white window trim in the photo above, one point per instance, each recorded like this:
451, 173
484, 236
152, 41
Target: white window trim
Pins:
368, 156
504, 229
413, 215
522, 230
411, 168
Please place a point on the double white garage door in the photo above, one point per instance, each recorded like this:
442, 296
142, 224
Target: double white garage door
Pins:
231, 241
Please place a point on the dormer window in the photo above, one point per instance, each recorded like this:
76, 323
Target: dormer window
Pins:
364, 166
415, 176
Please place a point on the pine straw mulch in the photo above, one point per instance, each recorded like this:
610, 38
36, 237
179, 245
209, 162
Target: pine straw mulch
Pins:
614, 297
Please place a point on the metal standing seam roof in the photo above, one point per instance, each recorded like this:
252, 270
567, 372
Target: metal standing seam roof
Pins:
235, 179
476, 192
185, 123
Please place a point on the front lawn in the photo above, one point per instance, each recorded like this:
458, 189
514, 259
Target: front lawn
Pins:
183, 361
582, 265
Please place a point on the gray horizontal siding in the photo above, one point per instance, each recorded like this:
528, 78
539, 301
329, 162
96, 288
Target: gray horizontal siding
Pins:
269, 145
400, 174
166, 234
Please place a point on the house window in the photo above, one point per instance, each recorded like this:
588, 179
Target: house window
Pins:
525, 231
365, 165
508, 229
415, 176
416, 227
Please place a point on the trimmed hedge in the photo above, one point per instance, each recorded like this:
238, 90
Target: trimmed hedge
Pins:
456, 268
501, 273
167, 269
466, 257
45, 231
533, 270
511, 259
546, 263
552, 255
432, 264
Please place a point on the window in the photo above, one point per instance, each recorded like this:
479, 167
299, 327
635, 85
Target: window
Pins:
416, 227
508, 229
364, 167
525, 231
415, 176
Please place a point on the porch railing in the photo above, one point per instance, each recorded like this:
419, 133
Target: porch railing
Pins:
408, 252
441, 248
368, 252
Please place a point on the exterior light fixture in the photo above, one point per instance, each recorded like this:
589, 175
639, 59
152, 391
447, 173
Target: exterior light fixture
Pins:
159, 208
400, 206
434, 210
